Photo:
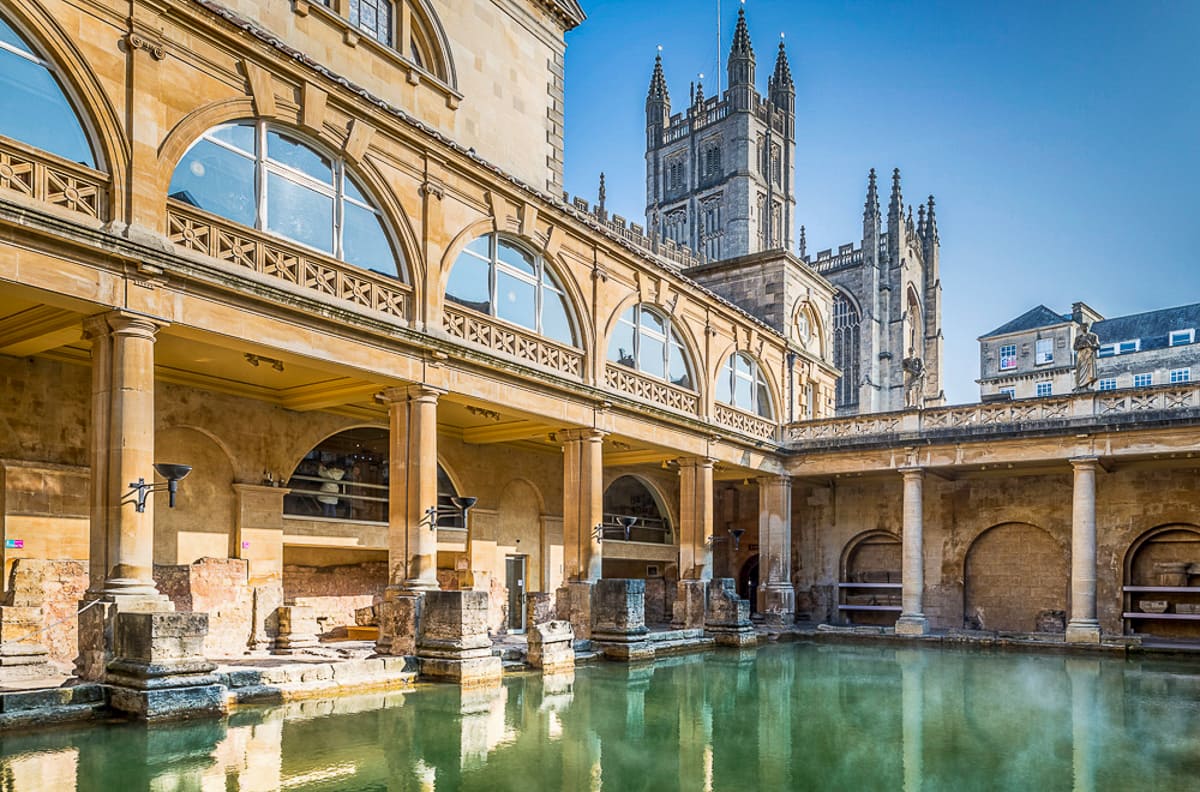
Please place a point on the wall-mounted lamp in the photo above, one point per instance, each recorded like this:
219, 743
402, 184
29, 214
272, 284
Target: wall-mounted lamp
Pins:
736, 533
464, 504
627, 524
173, 475
598, 532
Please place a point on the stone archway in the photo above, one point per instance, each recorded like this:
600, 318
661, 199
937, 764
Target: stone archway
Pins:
1015, 578
1160, 566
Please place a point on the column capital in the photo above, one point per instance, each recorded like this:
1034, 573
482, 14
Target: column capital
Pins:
912, 472
401, 394
123, 322
581, 433
696, 462
1084, 462
778, 479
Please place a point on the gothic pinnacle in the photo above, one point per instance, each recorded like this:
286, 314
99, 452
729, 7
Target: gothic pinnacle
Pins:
658, 82
872, 204
603, 194
803, 243
896, 204
741, 36
782, 78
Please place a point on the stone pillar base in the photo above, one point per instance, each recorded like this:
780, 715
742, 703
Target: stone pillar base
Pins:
453, 642
96, 626
297, 630
914, 624
399, 623
728, 615
552, 647
619, 619
1083, 632
575, 605
778, 605
159, 671
687, 612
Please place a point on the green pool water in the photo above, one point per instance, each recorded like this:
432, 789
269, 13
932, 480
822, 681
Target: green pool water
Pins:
791, 716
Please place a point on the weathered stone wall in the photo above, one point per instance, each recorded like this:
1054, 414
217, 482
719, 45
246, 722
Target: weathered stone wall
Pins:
57, 587
1013, 573
218, 587
335, 592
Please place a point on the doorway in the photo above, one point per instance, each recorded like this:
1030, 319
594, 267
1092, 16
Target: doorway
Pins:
514, 569
748, 583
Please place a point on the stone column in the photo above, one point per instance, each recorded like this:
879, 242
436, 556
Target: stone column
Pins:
412, 531
695, 518
583, 510
583, 502
1083, 626
775, 543
122, 538
912, 619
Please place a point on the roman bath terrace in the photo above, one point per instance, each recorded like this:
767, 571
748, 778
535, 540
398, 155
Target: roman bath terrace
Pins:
334, 435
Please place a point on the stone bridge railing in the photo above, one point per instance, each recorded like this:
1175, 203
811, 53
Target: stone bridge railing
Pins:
1089, 410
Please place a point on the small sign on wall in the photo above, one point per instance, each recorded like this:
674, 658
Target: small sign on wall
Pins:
245, 545
14, 544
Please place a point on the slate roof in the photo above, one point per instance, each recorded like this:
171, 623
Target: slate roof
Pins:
1034, 318
1152, 327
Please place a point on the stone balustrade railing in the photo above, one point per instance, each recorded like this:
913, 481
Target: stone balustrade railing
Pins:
234, 244
511, 341
46, 178
1092, 408
639, 386
744, 422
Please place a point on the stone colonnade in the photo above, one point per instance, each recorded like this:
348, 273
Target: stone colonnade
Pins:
1083, 625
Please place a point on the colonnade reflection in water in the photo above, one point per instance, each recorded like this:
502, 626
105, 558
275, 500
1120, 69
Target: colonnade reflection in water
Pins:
784, 717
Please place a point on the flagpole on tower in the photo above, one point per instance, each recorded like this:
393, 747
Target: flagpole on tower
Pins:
718, 67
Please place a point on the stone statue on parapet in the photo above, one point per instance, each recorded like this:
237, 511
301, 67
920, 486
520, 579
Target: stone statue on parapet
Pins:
914, 383
1087, 347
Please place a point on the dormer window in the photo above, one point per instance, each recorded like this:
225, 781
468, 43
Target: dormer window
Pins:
1181, 337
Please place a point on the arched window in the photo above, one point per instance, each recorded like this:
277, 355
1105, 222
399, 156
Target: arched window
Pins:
345, 478
629, 497
645, 340
916, 330
260, 176
741, 383
845, 349
497, 277
33, 108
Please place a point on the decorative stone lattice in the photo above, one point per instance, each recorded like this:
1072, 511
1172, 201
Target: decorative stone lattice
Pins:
640, 387
509, 341
744, 422
59, 183
244, 247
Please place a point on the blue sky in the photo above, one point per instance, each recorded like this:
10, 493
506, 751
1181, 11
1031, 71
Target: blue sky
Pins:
1061, 139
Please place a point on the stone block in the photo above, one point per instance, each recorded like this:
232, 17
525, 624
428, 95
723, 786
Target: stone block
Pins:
688, 610
778, 605
366, 617
551, 647
539, 608
619, 619
453, 642
159, 671
296, 630
399, 619
728, 618
574, 604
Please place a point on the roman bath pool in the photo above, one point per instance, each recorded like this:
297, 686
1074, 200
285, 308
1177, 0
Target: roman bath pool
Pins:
789, 716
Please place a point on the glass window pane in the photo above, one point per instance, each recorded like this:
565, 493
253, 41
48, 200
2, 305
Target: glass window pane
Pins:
725, 385
620, 347
763, 399
555, 324
216, 180
481, 246
652, 321
9, 36
294, 154
678, 373
650, 356
515, 300
741, 393
299, 213
515, 257
743, 364
351, 190
468, 284
35, 111
364, 242
239, 136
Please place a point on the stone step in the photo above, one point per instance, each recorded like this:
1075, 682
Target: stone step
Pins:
668, 636
685, 646
586, 656
74, 695
513, 665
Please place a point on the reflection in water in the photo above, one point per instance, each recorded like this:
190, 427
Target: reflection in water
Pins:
785, 717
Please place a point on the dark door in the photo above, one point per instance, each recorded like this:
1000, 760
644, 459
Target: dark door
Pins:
515, 580
748, 583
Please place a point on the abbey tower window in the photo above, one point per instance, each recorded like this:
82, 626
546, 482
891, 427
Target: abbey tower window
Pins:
676, 176
846, 321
